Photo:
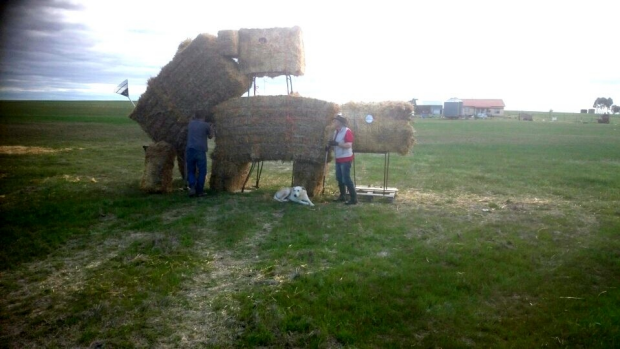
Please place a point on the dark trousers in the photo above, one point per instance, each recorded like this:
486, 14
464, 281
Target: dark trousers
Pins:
343, 176
196, 162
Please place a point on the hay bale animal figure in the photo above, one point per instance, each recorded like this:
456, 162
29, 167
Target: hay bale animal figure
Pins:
212, 73
294, 194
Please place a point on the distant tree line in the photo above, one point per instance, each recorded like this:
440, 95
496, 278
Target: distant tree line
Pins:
606, 105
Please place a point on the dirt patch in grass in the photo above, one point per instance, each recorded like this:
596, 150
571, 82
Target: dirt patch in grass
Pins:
204, 311
42, 289
469, 201
539, 219
23, 150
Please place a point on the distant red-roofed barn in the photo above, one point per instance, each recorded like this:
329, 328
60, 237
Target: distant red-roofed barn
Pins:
490, 107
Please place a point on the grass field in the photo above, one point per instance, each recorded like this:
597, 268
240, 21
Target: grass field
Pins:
504, 234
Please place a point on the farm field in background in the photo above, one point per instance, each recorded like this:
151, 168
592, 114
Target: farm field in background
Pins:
504, 234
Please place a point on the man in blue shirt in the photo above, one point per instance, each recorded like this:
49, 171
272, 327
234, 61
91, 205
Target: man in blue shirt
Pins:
196, 152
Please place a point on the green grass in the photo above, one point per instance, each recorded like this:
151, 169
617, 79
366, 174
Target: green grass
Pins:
561, 117
504, 234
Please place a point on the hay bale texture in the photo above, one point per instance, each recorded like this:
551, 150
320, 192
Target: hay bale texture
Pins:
198, 78
390, 130
158, 166
228, 176
270, 128
267, 128
272, 52
309, 175
228, 43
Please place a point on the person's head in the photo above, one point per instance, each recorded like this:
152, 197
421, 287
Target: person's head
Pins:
204, 115
198, 115
340, 121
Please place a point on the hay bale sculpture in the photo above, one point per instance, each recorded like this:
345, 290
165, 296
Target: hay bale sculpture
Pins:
204, 75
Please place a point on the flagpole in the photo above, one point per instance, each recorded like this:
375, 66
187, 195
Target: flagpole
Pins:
134, 104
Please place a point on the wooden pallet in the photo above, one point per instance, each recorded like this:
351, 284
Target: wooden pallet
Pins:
376, 192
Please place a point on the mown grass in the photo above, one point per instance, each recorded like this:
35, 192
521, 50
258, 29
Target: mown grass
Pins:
542, 116
504, 234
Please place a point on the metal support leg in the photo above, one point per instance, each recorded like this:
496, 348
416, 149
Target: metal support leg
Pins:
259, 172
291, 78
289, 85
386, 171
354, 177
248, 176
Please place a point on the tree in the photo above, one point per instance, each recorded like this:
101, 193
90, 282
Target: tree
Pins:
615, 109
603, 104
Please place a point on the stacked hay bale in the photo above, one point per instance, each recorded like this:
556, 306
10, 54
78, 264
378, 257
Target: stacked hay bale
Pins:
228, 43
389, 131
309, 174
267, 128
271, 52
158, 166
228, 175
198, 78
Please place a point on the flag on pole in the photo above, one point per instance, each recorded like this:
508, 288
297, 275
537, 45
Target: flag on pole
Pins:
123, 89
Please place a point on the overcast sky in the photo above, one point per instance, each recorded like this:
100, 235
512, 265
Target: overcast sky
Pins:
535, 55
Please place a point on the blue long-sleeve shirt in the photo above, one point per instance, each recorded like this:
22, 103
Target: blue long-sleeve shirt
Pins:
197, 133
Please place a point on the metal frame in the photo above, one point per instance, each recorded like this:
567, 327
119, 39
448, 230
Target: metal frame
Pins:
386, 171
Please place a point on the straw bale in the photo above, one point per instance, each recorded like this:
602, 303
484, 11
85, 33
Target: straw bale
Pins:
198, 78
183, 45
272, 52
390, 131
309, 175
269, 128
228, 43
158, 165
227, 175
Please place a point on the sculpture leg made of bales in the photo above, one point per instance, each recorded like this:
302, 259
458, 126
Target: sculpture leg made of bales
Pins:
228, 176
158, 166
309, 175
179, 146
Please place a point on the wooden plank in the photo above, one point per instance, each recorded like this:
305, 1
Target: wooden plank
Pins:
364, 187
375, 191
387, 195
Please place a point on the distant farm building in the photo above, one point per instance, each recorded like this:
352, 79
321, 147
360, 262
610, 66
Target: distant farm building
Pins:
490, 107
453, 108
428, 109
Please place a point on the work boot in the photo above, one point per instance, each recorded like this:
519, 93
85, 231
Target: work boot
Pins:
353, 194
342, 197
